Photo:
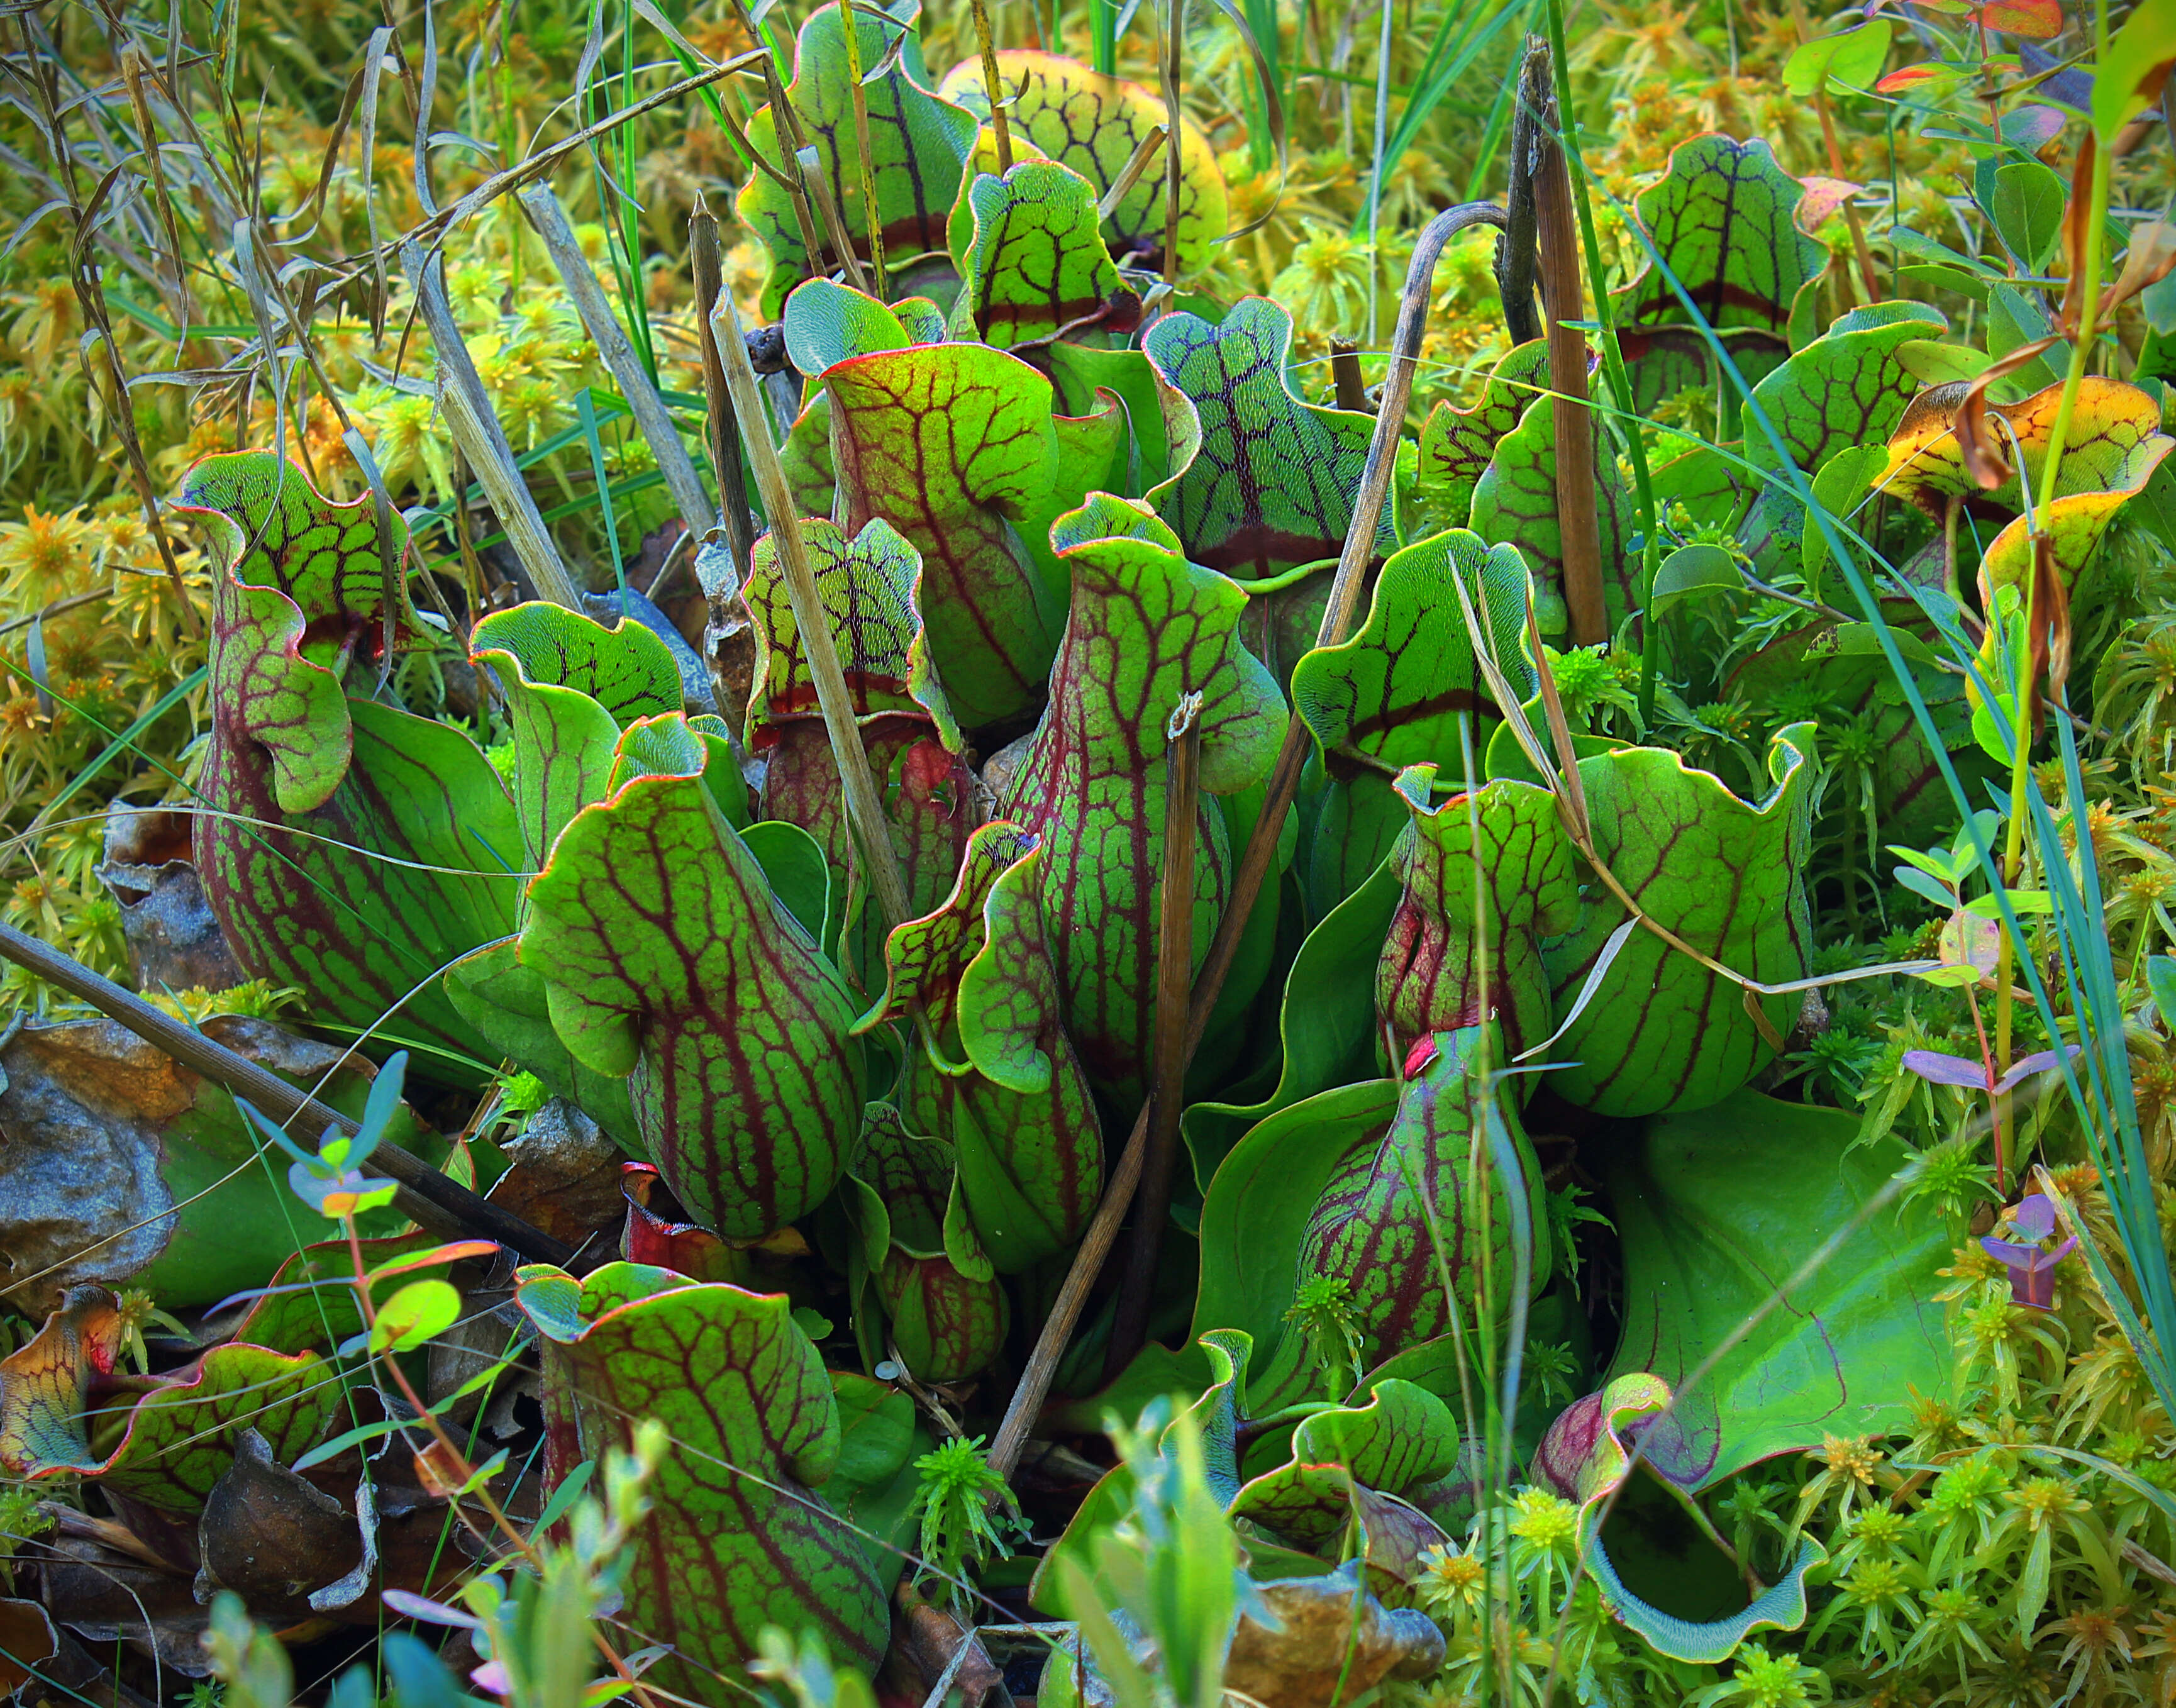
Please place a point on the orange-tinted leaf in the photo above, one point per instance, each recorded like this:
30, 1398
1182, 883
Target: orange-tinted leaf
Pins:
1824, 200
2113, 443
1919, 76
454, 1253
2111, 426
173, 1443
2039, 20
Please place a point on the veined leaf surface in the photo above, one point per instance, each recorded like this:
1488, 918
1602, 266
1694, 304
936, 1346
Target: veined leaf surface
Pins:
669, 961
955, 445
1036, 268
1727, 876
1002, 1085
1263, 480
1146, 628
918, 145
737, 1538
1093, 123
174, 1439
1397, 693
411, 846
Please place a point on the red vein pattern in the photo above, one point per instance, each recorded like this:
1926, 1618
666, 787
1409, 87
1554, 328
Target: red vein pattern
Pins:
1370, 1227
669, 961
298, 598
1146, 628
737, 1539
1266, 480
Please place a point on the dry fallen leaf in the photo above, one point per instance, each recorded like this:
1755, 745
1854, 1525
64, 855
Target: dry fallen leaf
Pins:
563, 1175
1323, 1639
27, 1641
101, 1132
272, 1536
926, 1644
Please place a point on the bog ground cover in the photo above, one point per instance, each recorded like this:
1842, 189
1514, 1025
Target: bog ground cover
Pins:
1132, 856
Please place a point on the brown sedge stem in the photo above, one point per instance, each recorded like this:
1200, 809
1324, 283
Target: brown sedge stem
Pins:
1578, 525
999, 128
1168, 1088
852, 29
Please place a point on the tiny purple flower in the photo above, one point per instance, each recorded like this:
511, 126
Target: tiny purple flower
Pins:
1945, 1069
1959, 1070
2031, 1268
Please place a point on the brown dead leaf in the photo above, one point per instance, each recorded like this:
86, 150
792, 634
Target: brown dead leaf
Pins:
107, 1595
926, 1643
1325, 1638
563, 1175
271, 1535
90, 1115
440, 1470
27, 1641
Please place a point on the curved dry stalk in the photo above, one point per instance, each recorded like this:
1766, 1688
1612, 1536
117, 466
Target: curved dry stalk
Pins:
1561, 780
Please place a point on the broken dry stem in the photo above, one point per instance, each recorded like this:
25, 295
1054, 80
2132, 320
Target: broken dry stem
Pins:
1578, 525
483, 443
985, 39
643, 398
721, 426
